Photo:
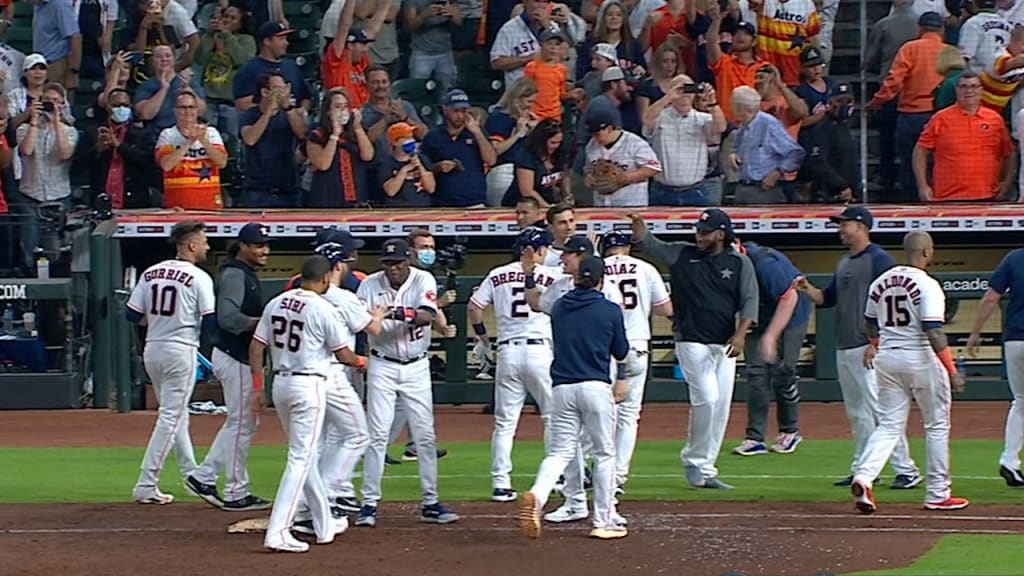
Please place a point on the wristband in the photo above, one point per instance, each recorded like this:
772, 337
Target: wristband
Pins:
620, 371
946, 357
257, 381
874, 341
530, 282
359, 363
479, 329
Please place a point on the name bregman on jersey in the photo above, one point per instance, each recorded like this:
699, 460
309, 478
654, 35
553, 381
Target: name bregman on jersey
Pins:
898, 281
180, 276
503, 278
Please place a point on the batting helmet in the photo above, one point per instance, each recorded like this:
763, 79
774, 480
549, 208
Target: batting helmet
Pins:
613, 239
533, 237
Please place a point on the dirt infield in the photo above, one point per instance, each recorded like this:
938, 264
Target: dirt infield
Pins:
697, 538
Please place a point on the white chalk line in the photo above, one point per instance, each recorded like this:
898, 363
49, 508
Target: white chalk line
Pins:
679, 475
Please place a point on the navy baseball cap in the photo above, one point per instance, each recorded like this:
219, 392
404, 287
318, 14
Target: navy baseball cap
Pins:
358, 36
931, 20
615, 238
747, 27
854, 214
271, 29
338, 236
811, 56
456, 99
394, 250
577, 245
841, 90
602, 118
534, 237
550, 34
714, 219
254, 233
591, 267
335, 253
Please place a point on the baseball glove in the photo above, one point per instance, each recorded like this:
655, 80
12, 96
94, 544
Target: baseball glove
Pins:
605, 175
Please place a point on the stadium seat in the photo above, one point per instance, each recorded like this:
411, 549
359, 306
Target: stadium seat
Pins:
483, 85
422, 94
19, 36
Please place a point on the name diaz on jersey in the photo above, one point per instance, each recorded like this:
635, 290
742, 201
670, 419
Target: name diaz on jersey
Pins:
617, 268
180, 276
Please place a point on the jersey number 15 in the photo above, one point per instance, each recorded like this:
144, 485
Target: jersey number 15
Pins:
896, 312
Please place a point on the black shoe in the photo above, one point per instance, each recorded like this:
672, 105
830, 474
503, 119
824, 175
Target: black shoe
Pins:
247, 503
441, 453
338, 513
1013, 478
848, 481
905, 481
304, 527
207, 492
620, 491
346, 504
391, 461
588, 479
410, 455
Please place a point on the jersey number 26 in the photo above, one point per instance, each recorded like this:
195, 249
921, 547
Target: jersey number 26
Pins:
294, 330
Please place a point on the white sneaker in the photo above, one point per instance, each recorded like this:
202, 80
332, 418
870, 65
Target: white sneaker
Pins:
338, 527
287, 543
566, 513
619, 519
153, 496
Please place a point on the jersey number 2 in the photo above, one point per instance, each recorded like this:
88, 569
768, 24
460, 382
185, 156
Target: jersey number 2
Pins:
164, 300
896, 312
294, 330
629, 296
519, 309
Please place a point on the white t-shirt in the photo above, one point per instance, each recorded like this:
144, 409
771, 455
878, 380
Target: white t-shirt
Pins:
302, 331
630, 152
504, 288
639, 287
174, 295
399, 339
982, 38
902, 299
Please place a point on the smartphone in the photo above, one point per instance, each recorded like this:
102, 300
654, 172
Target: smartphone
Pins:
135, 57
692, 88
49, 107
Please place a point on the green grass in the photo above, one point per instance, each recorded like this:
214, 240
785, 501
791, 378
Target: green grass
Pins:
45, 475
965, 555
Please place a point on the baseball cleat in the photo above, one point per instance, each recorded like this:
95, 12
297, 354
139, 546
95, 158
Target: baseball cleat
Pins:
436, 513
504, 495
287, 544
588, 478
367, 516
848, 481
750, 448
305, 524
567, 513
1013, 476
337, 528
863, 499
529, 516
951, 503
560, 485
246, 504
620, 490
410, 455
347, 504
716, 484
694, 476
787, 442
905, 481
206, 492
609, 533
619, 519
391, 461
155, 496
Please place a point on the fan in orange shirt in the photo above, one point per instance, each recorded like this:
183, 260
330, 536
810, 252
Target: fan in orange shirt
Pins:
551, 77
191, 154
348, 56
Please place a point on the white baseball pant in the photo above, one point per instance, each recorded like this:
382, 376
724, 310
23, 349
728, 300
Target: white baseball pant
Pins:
1013, 354
627, 417
386, 383
583, 408
905, 375
172, 370
345, 434
300, 402
710, 375
860, 398
521, 368
230, 449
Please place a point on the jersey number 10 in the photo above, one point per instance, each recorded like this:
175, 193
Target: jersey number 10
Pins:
163, 300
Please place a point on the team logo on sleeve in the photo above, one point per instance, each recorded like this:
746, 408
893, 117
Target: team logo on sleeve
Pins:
432, 296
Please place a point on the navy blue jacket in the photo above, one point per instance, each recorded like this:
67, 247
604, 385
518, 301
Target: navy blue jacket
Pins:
588, 331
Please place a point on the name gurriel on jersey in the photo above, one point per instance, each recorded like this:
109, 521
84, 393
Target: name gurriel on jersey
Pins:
179, 276
898, 281
520, 277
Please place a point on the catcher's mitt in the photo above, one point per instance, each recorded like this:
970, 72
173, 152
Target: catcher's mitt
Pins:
605, 175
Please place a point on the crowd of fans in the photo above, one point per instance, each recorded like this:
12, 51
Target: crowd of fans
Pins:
690, 102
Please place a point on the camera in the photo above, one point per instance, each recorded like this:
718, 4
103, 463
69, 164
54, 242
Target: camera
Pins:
693, 88
453, 256
49, 107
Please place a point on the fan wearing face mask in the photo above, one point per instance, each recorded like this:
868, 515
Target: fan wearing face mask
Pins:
340, 152
406, 176
831, 163
120, 153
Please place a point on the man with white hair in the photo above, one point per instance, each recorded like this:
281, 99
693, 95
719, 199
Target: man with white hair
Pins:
680, 136
764, 151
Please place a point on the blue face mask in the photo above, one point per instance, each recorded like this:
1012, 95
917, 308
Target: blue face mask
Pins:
409, 147
426, 258
121, 114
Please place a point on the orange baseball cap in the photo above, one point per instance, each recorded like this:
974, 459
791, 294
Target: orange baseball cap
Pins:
400, 132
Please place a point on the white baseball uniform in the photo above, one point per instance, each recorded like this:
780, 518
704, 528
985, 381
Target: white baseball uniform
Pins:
523, 359
173, 296
399, 369
553, 257
982, 37
630, 152
345, 433
639, 287
302, 332
906, 301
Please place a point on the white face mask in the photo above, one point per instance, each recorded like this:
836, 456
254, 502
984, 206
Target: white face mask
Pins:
343, 115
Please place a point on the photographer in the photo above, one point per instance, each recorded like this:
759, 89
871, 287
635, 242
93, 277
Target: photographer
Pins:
680, 136
271, 131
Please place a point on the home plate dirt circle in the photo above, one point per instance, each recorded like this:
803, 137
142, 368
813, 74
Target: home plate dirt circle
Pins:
673, 538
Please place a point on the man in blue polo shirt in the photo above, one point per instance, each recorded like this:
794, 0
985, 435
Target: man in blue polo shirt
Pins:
271, 131
772, 351
1009, 276
459, 150
273, 45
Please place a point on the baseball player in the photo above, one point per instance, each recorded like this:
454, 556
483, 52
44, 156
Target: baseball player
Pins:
641, 290
523, 346
239, 305
905, 313
983, 36
848, 292
303, 333
561, 221
399, 370
1009, 276
174, 300
712, 285
583, 398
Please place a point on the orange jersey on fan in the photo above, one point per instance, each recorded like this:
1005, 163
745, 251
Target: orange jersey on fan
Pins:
550, 79
339, 71
783, 29
666, 24
194, 183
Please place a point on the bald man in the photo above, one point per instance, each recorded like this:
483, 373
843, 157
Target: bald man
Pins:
904, 318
